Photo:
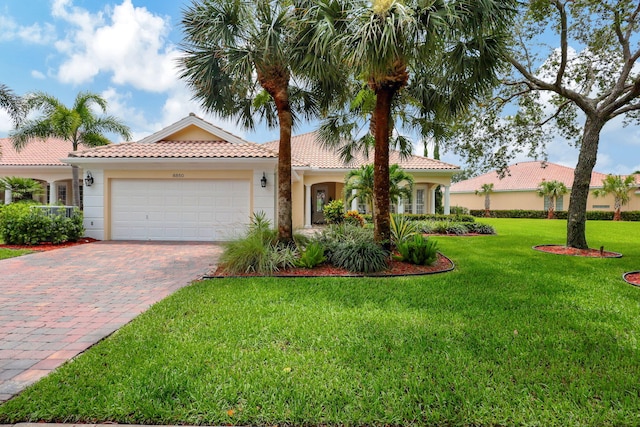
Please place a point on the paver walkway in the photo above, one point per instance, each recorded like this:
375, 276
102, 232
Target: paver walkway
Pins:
56, 304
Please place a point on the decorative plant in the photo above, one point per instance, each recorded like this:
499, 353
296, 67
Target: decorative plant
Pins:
334, 212
552, 190
418, 250
311, 256
401, 228
354, 218
21, 188
486, 190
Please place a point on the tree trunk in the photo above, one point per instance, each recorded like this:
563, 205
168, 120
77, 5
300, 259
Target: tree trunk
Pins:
577, 215
75, 185
551, 213
285, 226
382, 117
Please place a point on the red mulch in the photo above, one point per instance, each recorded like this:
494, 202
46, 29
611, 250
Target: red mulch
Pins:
564, 250
41, 247
396, 268
633, 277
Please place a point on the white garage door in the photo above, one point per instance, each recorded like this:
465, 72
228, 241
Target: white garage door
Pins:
187, 210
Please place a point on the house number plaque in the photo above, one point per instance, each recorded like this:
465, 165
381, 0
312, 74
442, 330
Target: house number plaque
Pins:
178, 175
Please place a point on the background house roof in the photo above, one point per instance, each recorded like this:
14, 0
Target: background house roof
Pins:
524, 176
178, 149
306, 151
35, 153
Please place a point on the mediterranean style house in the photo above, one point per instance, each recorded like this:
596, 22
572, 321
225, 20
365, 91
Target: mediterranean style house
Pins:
39, 160
518, 189
194, 181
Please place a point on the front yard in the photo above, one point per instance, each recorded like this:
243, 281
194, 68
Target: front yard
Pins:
512, 336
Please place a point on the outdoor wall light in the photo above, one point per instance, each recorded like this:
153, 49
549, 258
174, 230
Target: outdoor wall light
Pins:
263, 180
88, 181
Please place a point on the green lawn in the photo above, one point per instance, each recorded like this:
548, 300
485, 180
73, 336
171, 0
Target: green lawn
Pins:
511, 337
10, 253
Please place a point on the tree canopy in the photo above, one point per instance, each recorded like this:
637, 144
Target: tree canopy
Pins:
569, 88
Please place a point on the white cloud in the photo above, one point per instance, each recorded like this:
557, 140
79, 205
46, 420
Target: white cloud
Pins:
34, 34
38, 75
6, 124
126, 41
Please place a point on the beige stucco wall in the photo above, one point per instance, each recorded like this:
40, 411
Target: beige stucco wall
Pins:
529, 200
191, 133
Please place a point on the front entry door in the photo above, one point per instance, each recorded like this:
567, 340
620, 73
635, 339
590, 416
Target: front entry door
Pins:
320, 197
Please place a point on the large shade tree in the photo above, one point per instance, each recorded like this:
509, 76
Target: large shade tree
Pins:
444, 53
78, 124
574, 69
244, 60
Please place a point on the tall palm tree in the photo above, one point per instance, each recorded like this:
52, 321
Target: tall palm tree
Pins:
619, 188
78, 124
242, 60
553, 190
486, 190
445, 52
362, 181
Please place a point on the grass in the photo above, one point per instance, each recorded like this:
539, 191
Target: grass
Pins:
511, 337
10, 253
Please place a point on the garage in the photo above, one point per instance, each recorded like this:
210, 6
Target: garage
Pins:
179, 210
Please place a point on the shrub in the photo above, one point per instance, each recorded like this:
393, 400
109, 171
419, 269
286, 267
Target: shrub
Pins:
459, 210
259, 251
22, 224
354, 218
418, 250
360, 256
401, 228
476, 227
312, 255
334, 212
448, 227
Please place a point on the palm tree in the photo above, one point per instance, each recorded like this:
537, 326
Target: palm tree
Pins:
486, 190
11, 103
21, 188
77, 125
445, 53
619, 187
362, 181
552, 190
242, 59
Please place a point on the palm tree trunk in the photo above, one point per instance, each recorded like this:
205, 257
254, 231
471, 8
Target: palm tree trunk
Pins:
382, 117
577, 215
285, 226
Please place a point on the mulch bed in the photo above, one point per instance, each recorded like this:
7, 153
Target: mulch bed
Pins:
589, 253
396, 268
632, 277
41, 247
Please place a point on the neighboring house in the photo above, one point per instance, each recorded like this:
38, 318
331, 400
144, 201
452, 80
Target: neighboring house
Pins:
39, 160
195, 181
518, 189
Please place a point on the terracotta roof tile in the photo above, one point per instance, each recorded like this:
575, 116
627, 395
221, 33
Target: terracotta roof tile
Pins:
524, 176
35, 153
307, 151
178, 149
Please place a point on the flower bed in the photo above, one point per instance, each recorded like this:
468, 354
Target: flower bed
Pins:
564, 250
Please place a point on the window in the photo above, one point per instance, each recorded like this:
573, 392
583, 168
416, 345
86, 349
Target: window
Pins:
62, 193
420, 208
559, 203
408, 208
601, 206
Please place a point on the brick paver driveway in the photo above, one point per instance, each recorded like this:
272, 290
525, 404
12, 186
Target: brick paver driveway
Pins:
56, 304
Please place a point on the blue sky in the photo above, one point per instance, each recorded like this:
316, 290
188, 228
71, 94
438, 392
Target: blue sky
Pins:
126, 51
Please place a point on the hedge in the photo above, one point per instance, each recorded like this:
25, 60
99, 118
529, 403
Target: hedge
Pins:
24, 224
520, 213
431, 217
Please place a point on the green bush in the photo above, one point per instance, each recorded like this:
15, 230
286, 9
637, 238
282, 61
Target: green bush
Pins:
401, 228
630, 215
259, 251
476, 227
23, 224
418, 250
591, 215
334, 212
311, 256
360, 256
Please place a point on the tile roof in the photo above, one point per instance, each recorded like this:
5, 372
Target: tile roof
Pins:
525, 176
307, 151
35, 153
178, 149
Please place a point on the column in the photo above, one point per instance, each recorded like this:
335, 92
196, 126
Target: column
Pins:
447, 208
7, 196
354, 202
401, 205
307, 206
432, 199
53, 191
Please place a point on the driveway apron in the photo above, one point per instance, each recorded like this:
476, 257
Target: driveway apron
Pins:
56, 304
